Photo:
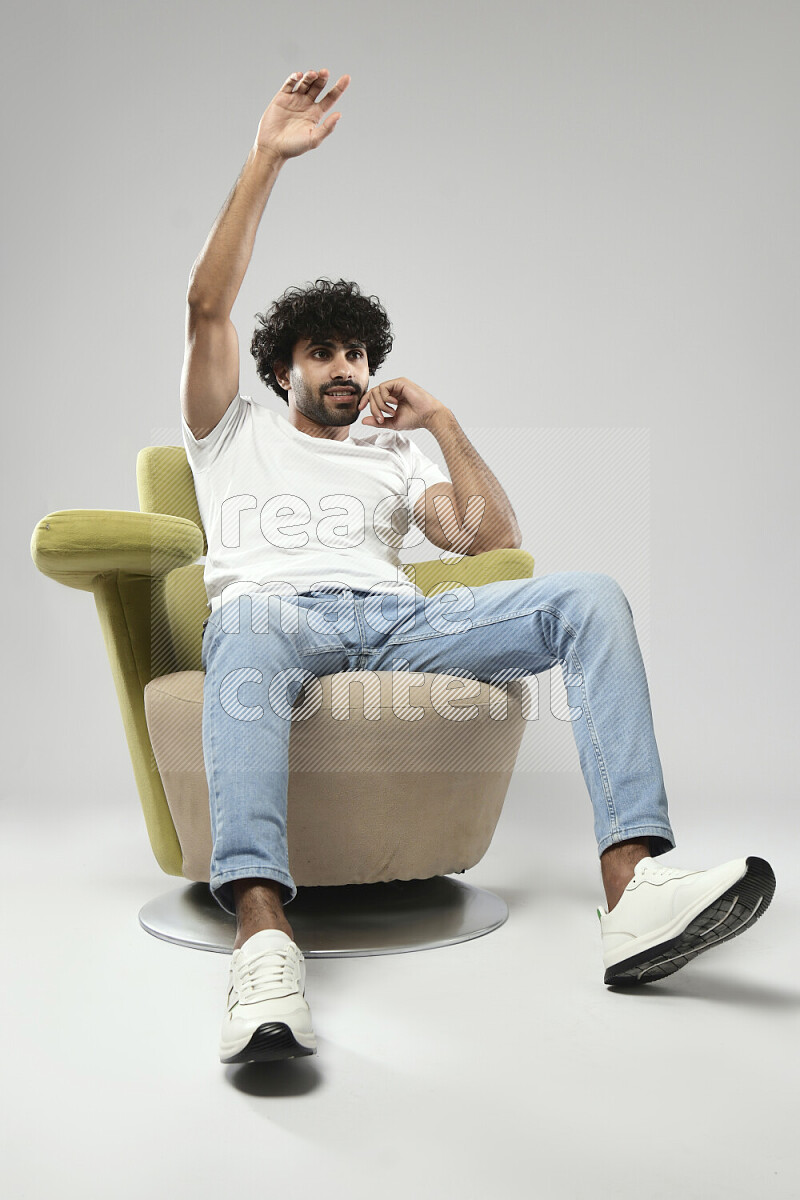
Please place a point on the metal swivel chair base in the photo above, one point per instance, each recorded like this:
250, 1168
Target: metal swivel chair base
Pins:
341, 922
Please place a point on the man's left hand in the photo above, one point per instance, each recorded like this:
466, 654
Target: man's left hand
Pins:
399, 404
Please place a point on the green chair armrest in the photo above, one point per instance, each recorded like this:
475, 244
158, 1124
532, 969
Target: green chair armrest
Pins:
473, 570
76, 546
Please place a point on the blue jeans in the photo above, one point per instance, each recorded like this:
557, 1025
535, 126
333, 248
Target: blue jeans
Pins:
259, 650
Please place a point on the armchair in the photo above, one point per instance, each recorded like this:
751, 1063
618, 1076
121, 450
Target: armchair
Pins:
372, 836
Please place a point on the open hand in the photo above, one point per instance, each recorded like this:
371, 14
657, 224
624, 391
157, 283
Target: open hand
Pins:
399, 404
291, 124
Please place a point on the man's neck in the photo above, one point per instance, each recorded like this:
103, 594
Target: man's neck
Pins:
333, 433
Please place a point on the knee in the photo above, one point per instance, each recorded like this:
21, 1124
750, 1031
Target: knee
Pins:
600, 594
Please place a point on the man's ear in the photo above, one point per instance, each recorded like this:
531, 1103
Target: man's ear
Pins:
281, 374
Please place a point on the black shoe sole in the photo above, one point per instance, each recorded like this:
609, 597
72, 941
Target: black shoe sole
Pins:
729, 915
270, 1043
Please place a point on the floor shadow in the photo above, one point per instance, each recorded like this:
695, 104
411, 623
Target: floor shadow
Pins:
719, 989
288, 1077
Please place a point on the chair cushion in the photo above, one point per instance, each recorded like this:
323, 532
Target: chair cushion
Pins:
370, 800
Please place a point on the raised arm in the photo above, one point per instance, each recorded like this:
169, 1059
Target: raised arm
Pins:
290, 126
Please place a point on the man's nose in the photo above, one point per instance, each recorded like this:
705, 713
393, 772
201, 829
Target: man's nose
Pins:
342, 368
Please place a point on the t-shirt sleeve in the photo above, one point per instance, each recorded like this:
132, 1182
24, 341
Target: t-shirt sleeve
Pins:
421, 472
202, 452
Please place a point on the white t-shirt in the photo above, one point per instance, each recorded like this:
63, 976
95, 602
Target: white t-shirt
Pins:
283, 510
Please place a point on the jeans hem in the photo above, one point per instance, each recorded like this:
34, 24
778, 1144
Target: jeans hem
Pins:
222, 891
662, 835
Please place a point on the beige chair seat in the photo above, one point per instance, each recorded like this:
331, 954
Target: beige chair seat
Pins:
385, 783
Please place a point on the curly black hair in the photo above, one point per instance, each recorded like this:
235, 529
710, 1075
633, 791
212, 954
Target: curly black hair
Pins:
321, 310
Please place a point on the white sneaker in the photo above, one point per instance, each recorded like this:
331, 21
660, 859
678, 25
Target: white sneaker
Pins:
665, 917
266, 1017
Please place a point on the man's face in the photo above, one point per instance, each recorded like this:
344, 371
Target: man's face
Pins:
327, 379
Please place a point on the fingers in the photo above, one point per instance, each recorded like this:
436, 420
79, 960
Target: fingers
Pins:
333, 95
299, 83
311, 83
303, 81
378, 400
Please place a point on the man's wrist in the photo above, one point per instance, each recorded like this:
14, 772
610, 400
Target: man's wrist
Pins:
439, 419
267, 156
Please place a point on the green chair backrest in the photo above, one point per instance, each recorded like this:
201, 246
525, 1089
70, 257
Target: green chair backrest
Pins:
165, 484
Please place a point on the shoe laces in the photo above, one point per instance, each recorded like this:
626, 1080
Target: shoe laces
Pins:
658, 872
269, 973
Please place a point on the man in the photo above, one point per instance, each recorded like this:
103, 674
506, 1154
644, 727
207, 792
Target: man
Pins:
300, 511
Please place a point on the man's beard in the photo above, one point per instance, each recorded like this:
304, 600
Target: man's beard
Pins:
311, 402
